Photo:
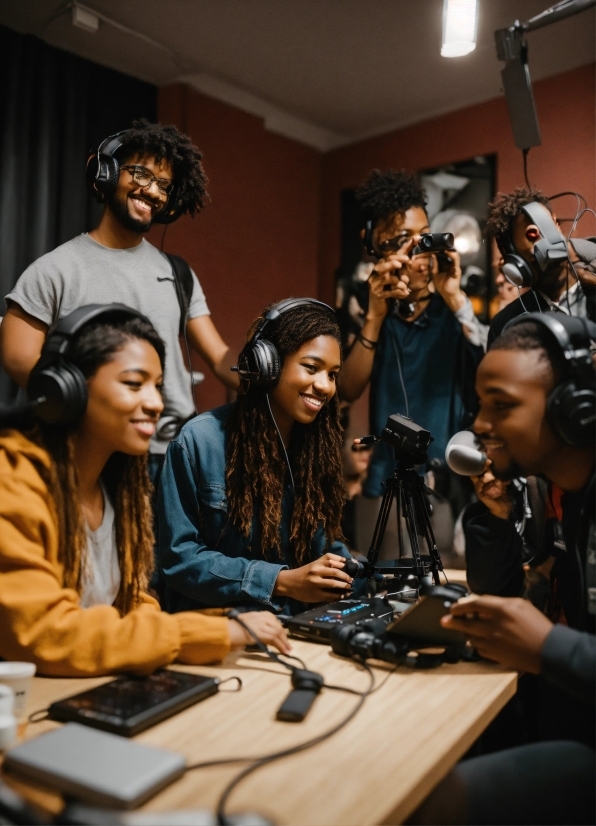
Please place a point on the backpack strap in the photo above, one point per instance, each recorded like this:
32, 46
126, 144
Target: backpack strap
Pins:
183, 282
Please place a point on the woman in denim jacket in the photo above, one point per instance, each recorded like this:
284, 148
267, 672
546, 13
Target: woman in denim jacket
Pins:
251, 494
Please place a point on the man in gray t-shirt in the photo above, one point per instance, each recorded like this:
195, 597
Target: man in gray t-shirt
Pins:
154, 173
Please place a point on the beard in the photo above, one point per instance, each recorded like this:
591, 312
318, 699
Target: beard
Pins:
120, 211
512, 471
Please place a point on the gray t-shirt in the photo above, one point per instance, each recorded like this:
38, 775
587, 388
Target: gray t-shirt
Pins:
84, 272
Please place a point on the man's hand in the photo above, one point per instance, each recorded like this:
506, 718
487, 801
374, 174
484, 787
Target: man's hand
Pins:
265, 626
320, 581
509, 631
493, 493
384, 282
448, 282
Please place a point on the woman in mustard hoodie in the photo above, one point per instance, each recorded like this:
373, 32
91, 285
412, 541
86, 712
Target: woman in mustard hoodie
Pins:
76, 542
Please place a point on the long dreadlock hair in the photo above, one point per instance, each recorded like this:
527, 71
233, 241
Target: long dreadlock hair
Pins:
256, 466
124, 477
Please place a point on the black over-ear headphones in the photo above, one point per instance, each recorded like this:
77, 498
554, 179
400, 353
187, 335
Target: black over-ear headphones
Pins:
571, 407
59, 386
549, 251
259, 363
103, 171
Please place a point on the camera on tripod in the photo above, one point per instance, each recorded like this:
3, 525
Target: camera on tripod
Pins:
410, 442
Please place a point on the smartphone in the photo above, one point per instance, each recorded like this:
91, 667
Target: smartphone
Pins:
420, 625
129, 705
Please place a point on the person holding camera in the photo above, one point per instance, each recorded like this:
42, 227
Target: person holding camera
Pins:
420, 342
76, 544
148, 174
566, 284
537, 394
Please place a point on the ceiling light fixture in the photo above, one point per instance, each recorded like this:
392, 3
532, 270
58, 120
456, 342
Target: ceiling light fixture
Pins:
460, 23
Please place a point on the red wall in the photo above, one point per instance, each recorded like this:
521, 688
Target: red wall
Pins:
257, 241
566, 159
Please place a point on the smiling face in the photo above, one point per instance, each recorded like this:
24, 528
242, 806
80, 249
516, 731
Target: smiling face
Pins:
124, 400
308, 381
135, 206
513, 387
400, 228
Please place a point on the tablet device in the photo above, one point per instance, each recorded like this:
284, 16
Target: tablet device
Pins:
95, 767
129, 705
420, 625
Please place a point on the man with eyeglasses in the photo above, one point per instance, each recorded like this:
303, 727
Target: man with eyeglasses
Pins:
115, 263
420, 342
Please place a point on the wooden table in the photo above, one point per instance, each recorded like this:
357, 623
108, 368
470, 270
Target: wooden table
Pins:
376, 770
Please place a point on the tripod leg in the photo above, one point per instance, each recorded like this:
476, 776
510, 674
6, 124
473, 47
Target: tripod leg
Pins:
423, 511
409, 513
381, 523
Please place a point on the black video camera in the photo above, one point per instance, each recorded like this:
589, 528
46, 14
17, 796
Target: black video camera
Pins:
408, 439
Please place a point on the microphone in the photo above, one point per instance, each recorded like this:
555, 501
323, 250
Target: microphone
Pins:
306, 686
464, 454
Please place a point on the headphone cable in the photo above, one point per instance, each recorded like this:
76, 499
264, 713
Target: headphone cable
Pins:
282, 443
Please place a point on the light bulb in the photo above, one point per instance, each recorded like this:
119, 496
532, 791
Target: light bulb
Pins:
460, 21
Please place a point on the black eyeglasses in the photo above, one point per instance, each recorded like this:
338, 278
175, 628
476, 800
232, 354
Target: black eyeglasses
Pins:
144, 179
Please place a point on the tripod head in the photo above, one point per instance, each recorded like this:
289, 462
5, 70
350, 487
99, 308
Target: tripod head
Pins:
408, 440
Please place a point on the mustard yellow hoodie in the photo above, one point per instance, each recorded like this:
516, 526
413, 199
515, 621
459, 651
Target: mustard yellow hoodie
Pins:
42, 622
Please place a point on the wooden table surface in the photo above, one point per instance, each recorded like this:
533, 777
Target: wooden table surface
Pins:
376, 770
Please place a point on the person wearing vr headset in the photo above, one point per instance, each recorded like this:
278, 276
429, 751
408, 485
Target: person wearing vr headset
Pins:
251, 494
537, 392
559, 275
146, 175
420, 342
76, 545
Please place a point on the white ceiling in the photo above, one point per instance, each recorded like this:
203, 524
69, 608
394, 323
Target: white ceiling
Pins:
325, 72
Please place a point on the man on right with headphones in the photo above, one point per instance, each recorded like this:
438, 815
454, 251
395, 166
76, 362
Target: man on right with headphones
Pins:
563, 280
537, 415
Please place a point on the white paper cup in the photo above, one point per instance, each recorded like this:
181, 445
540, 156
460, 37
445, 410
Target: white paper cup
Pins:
6, 700
8, 731
17, 676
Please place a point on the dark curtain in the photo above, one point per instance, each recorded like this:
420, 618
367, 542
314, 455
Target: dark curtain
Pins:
54, 107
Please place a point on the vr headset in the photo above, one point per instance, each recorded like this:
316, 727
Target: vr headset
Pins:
549, 251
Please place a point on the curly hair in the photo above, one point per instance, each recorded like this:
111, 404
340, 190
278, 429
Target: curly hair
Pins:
507, 206
385, 194
256, 467
124, 477
168, 143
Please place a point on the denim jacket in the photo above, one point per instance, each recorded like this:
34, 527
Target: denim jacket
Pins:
205, 560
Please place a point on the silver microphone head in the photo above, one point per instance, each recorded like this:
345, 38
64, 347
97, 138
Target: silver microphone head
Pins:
464, 454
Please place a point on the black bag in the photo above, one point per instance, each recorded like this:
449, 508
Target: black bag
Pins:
183, 282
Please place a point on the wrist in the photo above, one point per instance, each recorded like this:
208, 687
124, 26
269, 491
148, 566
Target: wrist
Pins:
283, 583
373, 323
455, 302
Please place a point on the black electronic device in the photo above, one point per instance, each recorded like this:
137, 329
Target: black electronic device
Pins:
259, 363
317, 623
571, 406
420, 625
103, 171
305, 687
129, 705
57, 388
550, 250
416, 629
